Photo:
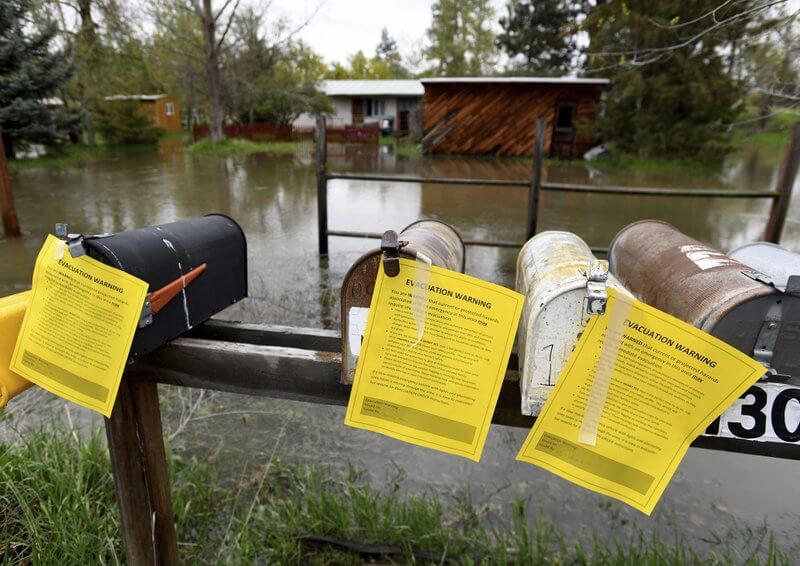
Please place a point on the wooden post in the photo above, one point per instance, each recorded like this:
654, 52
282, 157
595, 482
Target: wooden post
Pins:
536, 178
139, 463
322, 184
7, 209
780, 206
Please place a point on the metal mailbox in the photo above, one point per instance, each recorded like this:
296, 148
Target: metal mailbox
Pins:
717, 293
564, 284
779, 264
437, 240
195, 269
12, 311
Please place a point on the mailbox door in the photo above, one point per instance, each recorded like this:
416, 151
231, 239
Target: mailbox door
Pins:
552, 272
437, 240
164, 254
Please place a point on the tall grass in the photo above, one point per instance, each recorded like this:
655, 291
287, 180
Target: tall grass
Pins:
230, 147
57, 505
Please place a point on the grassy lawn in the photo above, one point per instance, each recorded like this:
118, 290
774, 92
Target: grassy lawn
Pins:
402, 145
230, 147
58, 506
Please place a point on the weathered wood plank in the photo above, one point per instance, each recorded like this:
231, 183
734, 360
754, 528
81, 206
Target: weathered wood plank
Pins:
269, 335
306, 375
138, 462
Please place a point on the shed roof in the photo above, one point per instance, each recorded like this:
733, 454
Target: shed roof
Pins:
135, 97
531, 80
372, 88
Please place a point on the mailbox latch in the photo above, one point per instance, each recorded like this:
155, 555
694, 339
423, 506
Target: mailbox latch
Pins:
391, 246
764, 349
74, 241
596, 293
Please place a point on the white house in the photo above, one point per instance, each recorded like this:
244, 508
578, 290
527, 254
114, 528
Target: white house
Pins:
369, 101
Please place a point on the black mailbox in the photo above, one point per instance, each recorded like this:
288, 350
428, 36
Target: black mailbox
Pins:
195, 269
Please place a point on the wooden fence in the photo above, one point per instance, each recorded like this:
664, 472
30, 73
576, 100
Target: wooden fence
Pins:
779, 197
262, 131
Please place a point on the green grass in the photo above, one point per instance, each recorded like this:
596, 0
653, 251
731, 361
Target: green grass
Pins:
57, 505
231, 147
70, 154
403, 146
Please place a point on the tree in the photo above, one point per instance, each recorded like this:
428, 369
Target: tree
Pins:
460, 39
665, 99
359, 66
31, 72
387, 53
215, 23
123, 122
539, 36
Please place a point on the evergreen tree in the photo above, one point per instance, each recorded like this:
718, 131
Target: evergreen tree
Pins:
538, 37
123, 122
461, 41
31, 72
388, 53
665, 99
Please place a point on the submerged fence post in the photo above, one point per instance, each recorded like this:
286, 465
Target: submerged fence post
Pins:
138, 460
322, 184
536, 179
780, 205
7, 208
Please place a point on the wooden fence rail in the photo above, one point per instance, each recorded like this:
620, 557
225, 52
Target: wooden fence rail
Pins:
780, 197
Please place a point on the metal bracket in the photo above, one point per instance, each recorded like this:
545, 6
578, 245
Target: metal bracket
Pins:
793, 285
74, 241
596, 292
391, 246
758, 276
764, 349
146, 318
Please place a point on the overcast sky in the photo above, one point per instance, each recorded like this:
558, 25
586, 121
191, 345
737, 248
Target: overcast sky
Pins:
342, 27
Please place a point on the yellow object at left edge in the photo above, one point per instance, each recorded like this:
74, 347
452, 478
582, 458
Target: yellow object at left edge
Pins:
12, 312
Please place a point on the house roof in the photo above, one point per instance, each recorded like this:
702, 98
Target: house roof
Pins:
372, 88
135, 97
532, 80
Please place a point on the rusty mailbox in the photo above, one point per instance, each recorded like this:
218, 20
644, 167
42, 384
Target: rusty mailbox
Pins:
564, 284
195, 269
437, 240
717, 293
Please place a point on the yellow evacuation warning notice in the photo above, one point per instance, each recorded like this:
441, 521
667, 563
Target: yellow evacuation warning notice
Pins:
433, 358
639, 387
79, 326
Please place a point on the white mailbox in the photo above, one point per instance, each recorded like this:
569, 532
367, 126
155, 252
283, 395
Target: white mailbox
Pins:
564, 284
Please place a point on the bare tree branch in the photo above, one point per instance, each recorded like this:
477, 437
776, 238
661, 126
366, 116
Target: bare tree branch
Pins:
694, 38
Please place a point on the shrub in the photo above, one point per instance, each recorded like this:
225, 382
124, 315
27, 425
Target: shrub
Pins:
123, 122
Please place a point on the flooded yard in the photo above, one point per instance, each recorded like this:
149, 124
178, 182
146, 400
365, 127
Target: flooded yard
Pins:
715, 497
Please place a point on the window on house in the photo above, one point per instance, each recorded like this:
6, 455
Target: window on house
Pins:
565, 116
373, 107
170, 108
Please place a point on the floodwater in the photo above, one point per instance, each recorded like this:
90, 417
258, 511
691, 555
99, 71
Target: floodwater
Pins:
715, 498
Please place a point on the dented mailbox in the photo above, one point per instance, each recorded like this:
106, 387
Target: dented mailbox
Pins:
195, 269
735, 302
434, 239
564, 284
